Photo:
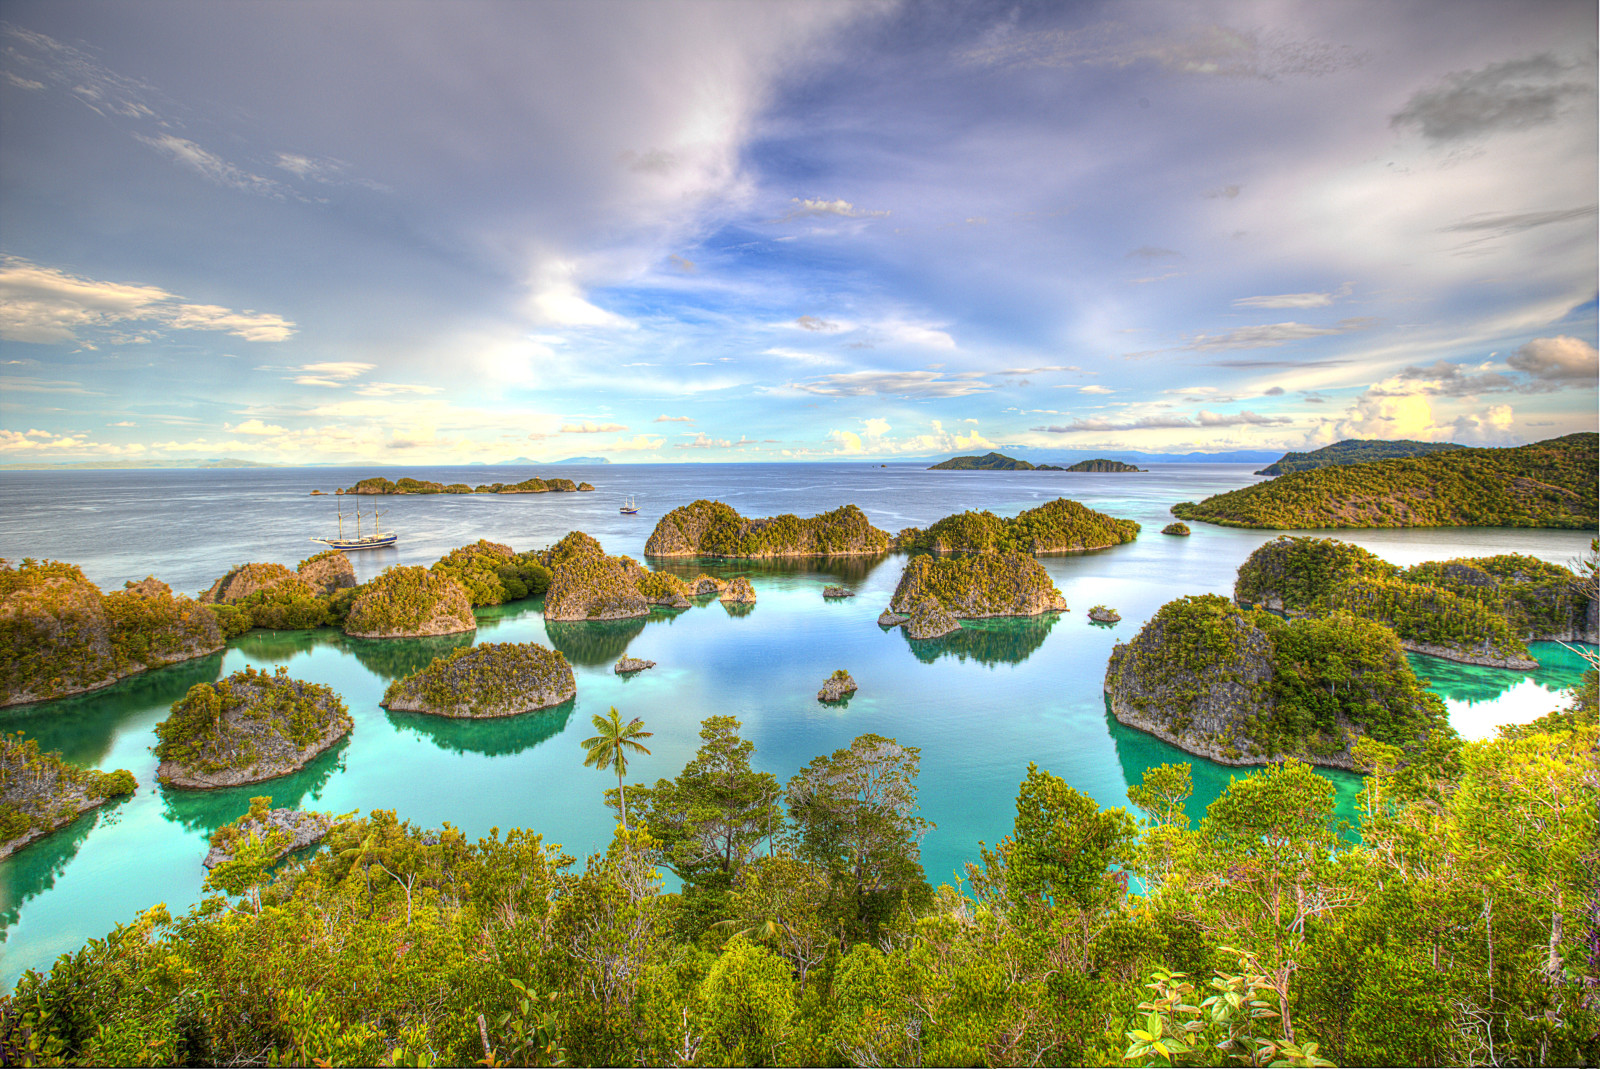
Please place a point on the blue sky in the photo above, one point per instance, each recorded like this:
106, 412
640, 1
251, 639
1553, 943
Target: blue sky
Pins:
426, 233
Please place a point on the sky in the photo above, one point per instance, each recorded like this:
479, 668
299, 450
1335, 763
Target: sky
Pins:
420, 233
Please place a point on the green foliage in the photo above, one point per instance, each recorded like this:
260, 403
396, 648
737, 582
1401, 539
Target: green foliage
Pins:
855, 815
987, 584
227, 726
232, 620
1301, 572
408, 600
712, 529
375, 484
1354, 451
493, 574
1103, 465
491, 679
40, 792
1178, 528
987, 462
59, 634
609, 748
1058, 526
1546, 484
1538, 599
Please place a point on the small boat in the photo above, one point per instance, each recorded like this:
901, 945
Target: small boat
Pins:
376, 540
629, 508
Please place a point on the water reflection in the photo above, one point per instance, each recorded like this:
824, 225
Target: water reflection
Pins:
990, 642
594, 643
1559, 668
281, 646
391, 658
495, 737
209, 810
35, 868
851, 569
85, 726
739, 608
1138, 751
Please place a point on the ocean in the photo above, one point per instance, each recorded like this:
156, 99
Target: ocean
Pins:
980, 704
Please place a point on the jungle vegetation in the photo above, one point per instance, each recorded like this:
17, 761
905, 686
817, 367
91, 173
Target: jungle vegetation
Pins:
1547, 484
40, 792
1059, 526
1454, 930
1354, 451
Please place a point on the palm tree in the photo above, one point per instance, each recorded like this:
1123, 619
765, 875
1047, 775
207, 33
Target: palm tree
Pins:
609, 749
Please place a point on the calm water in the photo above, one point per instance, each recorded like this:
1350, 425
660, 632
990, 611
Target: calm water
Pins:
980, 704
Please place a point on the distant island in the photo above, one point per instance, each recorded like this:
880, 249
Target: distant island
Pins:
1098, 465
1547, 484
1354, 451
1059, 526
987, 462
378, 485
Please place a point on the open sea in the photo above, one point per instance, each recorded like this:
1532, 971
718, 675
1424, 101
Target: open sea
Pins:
980, 704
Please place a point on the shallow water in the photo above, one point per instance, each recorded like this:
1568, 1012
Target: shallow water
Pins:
980, 704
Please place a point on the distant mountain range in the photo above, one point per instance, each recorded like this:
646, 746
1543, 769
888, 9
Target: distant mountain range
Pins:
569, 460
86, 465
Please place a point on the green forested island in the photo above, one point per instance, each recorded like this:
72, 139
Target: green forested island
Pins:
1103, 465
39, 792
1547, 484
1354, 451
977, 585
1242, 687
1479, 610
489, 680
1059, 526
60, 635
987, 462
249, 727
378, 485
712, 529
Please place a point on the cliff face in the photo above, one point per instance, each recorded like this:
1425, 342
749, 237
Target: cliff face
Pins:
1197, 686
327, 572
586, 584
249, 727
713, 529
39, 792
495, 679
929, 619
1248, 688
990, 584
59, 635
409, 602
247, 579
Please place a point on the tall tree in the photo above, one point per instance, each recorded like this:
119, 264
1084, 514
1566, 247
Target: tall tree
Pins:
713, 817
856, 815
609, 749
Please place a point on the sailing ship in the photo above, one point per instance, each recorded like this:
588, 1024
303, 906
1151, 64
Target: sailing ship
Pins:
628, 507
376, 540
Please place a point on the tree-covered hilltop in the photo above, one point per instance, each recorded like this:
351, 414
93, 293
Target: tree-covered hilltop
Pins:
986, 584
1100, 464
408, 602
588, 584
493, 574
805, 932
712, 529
60, 635
1251, 687
1059, 526
494, 679
1547, 484
39, 792
987, 462
1354, 451
249, 727
1479, 610
378, 485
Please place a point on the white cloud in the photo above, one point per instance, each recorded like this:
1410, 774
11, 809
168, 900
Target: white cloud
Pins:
334, 373
1560, 359
848, 441
673, 419
1165, 422
591, 428
702, 441
875, 427
814, 207
894, 383
638, 443
211, 166
45, 305
1268, 335
255, 426
1294, 300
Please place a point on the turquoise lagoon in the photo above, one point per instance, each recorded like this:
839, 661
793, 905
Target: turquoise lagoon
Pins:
980, 704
